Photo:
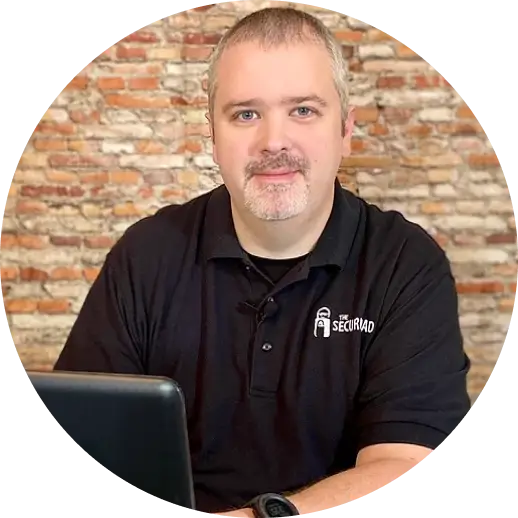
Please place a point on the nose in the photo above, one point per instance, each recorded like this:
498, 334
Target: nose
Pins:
273, 137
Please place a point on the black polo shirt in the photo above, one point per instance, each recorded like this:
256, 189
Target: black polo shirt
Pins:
357, 344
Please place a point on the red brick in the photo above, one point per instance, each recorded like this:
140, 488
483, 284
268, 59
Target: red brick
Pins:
110, 83
124, 52
428, 81
32, 242
39, 191
366, 114
460, 128
74, 160
143, 83
378, 130
9, 273
390, 82
20, 305
125, 177
136, 69
132, 101
99, 242
74, 241
357, 145
377, 35
483, 161
78, 83
463, 112
512, 287
31, 207
9, 241
49, 145
90, 274
60, 176
190, 146
404, 52
198, 38
141, 37
99, 191
126, 210
53, 128
33, 274
500, 239
145, 192
397, 115
150, 147
480, 287
433, 207
84, 146
349, 36
84, 116
367, 161
64, 273
53, 306
172, 194
178, 100
420, 130
97, 178
200, 53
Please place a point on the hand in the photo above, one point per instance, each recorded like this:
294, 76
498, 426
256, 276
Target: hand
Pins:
237, 513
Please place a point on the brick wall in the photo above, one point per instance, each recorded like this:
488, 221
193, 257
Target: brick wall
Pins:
128, 135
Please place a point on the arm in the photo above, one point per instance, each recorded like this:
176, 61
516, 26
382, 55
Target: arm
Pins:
413, 390
107, 336
376, 466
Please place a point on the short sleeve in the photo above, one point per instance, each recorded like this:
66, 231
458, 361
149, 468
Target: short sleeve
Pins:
413, 387
105, 336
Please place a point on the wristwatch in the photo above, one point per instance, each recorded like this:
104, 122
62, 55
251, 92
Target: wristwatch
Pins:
272, 504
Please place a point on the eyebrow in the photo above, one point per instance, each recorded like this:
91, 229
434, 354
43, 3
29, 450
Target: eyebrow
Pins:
285, 101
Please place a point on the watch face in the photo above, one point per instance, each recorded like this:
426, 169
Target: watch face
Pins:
275, 507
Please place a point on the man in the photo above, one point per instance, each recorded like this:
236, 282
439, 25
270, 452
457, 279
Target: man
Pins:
315, 337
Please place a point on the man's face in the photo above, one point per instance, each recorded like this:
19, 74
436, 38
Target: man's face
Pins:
278, 136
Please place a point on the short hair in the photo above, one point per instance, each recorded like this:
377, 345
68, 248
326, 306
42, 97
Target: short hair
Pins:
275, 26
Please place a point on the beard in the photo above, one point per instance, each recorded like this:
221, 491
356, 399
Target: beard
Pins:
277, 201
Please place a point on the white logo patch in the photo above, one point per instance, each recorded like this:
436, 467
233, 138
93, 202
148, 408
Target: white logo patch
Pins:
324, 324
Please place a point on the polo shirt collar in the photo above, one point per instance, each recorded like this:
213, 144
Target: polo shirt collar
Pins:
332, 248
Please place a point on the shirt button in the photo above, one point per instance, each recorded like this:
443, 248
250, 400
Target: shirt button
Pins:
267, 347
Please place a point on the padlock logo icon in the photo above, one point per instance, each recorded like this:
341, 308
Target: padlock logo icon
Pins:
323, 322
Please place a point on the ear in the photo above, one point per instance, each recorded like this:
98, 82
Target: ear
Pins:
348, 131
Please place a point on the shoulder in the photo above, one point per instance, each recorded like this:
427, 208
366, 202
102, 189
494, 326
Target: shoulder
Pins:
167, 234
395, 240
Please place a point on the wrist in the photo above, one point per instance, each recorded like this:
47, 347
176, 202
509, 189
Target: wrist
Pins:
272, 505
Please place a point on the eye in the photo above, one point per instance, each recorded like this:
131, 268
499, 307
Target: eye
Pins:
304, 111
245, 115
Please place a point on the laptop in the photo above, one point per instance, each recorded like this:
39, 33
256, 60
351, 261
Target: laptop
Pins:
135, 426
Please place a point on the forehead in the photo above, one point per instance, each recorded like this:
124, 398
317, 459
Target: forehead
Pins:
247, 70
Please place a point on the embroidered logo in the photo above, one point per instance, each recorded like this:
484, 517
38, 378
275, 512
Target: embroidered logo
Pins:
344, 324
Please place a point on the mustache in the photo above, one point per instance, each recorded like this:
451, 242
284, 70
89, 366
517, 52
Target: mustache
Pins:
283, 160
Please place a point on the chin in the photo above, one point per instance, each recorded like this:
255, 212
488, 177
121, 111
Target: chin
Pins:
276, 208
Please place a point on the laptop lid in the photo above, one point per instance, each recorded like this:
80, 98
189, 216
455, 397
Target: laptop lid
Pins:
135, 426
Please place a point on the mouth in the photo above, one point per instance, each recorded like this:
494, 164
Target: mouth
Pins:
277, 175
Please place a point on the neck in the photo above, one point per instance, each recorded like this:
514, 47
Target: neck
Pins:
281, 239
